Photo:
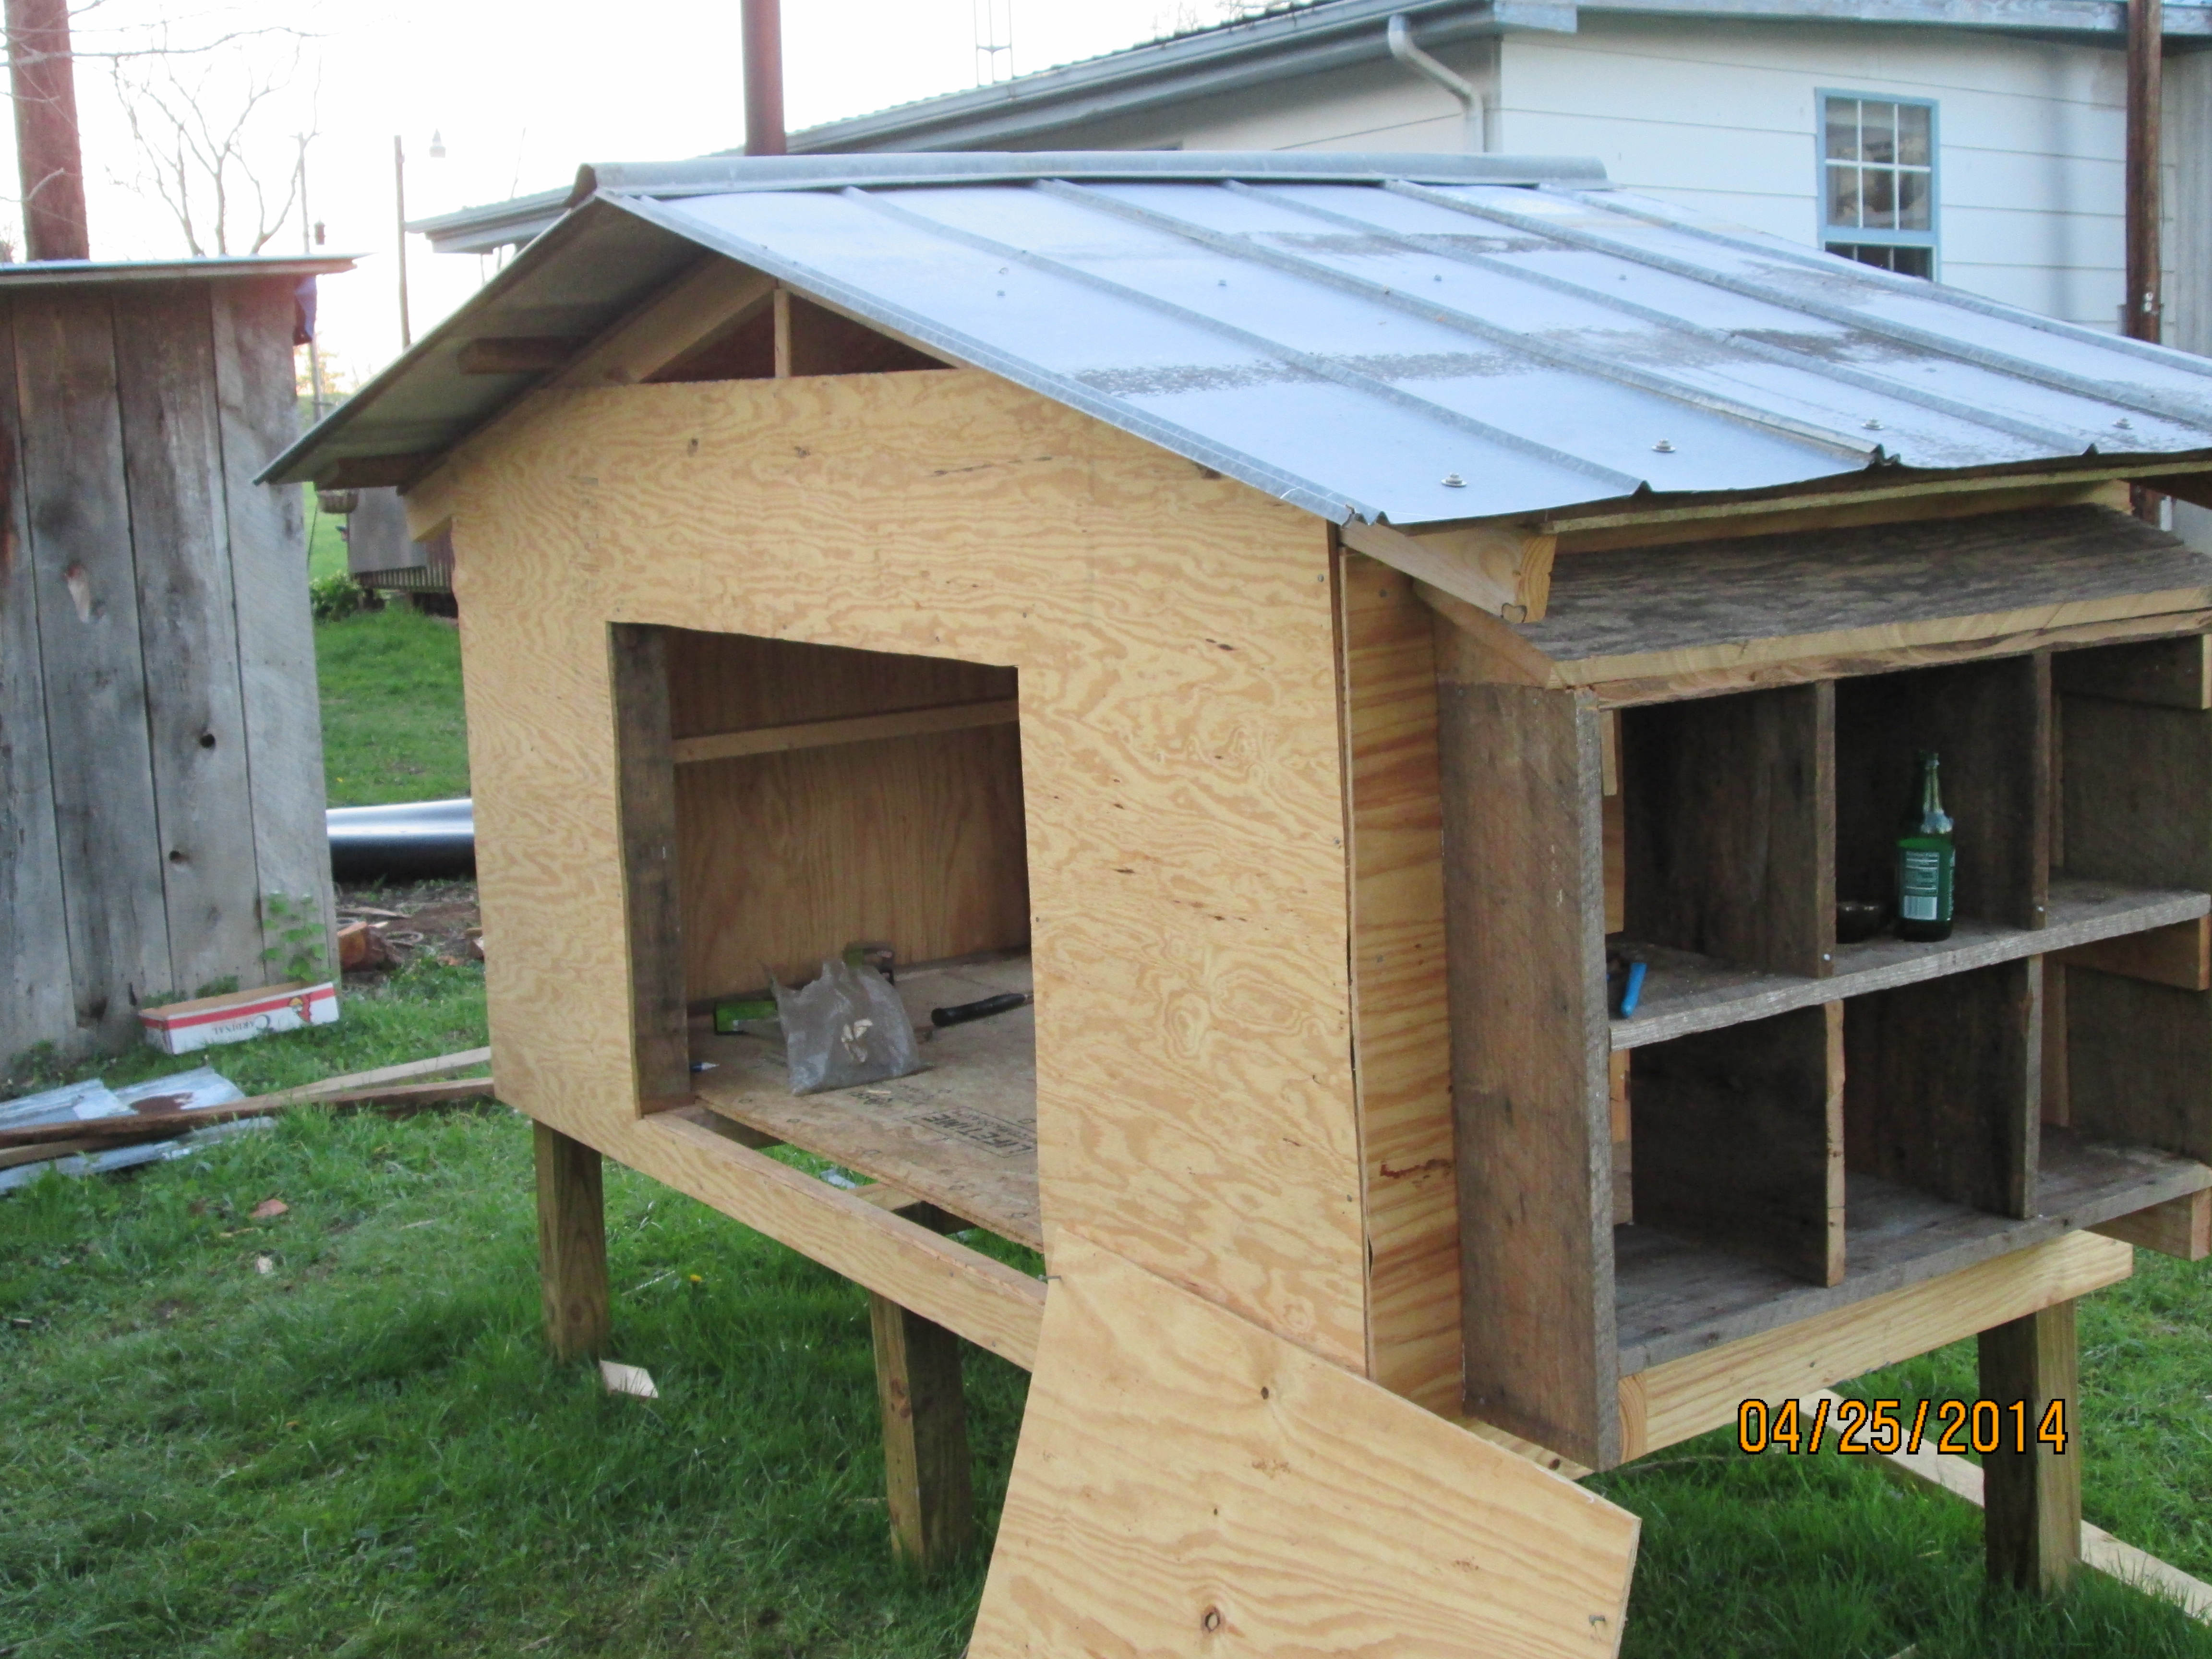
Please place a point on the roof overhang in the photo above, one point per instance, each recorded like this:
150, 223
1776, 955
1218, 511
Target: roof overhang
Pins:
84, 273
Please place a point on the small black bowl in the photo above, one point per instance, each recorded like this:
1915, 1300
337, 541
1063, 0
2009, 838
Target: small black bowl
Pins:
1857, 920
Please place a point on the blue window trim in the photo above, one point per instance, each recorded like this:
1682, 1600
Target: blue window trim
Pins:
1928, 239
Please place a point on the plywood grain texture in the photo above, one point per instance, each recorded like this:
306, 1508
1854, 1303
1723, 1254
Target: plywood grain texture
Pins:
1187, 1482
259, 418
36, 1001
90, 648
1671, 1401
1184, 821
1402, 1015
187, 612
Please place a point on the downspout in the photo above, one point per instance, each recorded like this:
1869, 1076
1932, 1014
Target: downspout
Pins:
1477, 112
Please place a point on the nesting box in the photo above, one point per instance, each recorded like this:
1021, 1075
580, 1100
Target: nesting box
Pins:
1298, 616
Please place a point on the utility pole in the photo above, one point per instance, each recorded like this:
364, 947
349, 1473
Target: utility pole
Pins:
764, 36
2146, 211
399, 200
307, 248
2141, 316
49, 159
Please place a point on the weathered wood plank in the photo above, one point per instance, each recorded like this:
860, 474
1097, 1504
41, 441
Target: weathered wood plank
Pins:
2138, 1055
1730, 828
1730, 603
1739, 1140
259, 416
572, 1245
188, 629
1676, 1298
1684, 993
1524, 913
1670, 1401
2136, 779
928, 1485
2165, 673
2179, 1227
1401, 1016
2031, 1499
1943, 1087
2180, 955
637, 669
94, 663
36, 1003
1187, 1482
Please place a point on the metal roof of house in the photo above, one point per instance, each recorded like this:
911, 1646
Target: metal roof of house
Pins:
1298, 40
76, 273
1374, 347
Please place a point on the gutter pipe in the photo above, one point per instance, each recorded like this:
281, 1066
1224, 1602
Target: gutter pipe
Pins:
1474, 109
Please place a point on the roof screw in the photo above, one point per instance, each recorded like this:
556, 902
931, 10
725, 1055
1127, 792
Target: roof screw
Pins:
1453, 481
1871, 425
2125, 424
1664, 447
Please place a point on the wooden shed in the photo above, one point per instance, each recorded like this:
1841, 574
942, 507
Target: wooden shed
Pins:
1296, 612
161, 754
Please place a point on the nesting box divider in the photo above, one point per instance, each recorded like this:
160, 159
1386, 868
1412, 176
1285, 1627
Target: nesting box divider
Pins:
2136, 728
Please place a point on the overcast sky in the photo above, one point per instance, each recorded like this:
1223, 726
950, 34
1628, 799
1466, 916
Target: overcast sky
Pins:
521, 96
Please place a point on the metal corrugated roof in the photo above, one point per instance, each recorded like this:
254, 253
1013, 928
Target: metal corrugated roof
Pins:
1377, 348
77, 273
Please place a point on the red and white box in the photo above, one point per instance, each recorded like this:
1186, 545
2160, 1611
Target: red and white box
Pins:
239, 1016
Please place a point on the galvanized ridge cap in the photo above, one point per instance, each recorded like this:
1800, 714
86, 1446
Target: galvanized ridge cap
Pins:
725, 175
2182, 17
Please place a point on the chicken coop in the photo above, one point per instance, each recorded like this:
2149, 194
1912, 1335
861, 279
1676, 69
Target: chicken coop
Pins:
1302, 618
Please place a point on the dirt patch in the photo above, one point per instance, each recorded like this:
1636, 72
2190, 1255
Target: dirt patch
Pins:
433, 920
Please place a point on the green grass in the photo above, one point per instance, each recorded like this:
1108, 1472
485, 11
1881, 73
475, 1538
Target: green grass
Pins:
392, 724
367, 1451
326, 549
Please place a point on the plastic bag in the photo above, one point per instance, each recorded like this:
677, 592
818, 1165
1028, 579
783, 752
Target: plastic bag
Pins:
847, 1027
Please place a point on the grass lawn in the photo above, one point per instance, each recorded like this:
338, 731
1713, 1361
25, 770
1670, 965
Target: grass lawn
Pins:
393, 728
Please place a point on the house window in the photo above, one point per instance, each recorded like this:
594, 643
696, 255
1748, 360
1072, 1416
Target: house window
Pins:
1878, 182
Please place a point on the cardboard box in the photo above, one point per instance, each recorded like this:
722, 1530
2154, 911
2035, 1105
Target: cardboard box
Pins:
238, 1015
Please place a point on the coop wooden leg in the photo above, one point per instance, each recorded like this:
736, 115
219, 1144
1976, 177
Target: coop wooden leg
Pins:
572, 1245
2032, 1516
926, 1468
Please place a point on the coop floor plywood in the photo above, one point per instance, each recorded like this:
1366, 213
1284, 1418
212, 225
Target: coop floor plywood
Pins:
961, 1133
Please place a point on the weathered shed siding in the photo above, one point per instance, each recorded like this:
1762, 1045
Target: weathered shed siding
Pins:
160, 751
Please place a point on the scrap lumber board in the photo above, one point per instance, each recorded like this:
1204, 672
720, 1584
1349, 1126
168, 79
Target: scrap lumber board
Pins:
1186, 1479
140, 1123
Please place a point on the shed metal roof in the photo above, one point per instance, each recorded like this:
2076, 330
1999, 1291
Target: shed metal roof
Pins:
79, 273
1372, 347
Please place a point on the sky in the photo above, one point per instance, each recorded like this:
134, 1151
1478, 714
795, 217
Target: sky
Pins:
520, 96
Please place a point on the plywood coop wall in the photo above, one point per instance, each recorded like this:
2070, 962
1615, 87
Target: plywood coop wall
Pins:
1176, 636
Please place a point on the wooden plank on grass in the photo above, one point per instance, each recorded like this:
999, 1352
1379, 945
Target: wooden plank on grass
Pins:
1190, 1483
36, 1001
188, 627
93, 660
251, 330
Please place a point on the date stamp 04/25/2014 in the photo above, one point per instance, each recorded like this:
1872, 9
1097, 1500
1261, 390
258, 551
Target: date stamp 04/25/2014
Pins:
1867, 1428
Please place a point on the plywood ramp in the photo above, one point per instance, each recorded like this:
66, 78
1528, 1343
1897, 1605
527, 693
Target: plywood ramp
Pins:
1174, 634
1187, 1483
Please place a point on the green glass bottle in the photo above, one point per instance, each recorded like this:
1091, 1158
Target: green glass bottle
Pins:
1927, 860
